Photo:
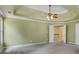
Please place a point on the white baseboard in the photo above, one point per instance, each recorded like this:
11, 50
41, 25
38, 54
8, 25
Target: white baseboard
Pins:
71, 43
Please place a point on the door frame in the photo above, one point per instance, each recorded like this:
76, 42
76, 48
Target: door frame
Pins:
2, 31
76, 34
51, 33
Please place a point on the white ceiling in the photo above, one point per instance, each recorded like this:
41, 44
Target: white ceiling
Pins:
66, 12
45, 8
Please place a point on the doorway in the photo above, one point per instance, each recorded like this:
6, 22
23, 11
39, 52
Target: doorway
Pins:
57, 33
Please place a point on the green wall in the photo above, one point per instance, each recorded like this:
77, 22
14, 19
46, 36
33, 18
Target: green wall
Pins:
71, 32
17, 32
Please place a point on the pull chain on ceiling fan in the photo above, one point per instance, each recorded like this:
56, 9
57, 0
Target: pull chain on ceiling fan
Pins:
51, 16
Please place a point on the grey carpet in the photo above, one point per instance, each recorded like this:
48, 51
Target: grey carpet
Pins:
44, 49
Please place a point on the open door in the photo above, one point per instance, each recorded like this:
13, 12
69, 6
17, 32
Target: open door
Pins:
57, 33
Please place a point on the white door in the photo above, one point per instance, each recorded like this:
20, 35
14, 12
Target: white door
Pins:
77, 33
57, 33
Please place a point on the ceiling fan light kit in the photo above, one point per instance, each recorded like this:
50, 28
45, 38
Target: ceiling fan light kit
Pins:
51, 16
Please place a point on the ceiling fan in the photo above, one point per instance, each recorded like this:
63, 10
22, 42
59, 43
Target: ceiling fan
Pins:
51, 15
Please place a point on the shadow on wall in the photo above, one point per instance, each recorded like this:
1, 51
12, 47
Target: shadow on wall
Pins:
22, 32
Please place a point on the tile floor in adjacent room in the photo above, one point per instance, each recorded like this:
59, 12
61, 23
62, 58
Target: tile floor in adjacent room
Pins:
51, 48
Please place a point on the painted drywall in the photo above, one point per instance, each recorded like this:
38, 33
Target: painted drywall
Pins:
70, 26
6, 9
17, 32
30, 13
71, 32
40, 15
71, 37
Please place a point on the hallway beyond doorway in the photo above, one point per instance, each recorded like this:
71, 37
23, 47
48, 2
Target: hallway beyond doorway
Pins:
57, 33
